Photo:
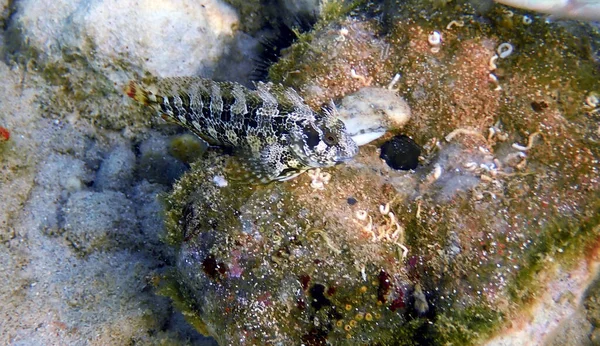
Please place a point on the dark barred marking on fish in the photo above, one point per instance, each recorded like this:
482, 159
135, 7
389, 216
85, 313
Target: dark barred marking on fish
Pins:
271, 128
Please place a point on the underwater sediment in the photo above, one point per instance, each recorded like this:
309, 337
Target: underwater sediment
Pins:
505, 193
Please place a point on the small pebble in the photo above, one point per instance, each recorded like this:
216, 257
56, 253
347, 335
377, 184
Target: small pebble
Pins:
220, 181
352, 200
401, 152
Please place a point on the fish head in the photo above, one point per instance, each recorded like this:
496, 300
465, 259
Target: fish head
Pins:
322, 142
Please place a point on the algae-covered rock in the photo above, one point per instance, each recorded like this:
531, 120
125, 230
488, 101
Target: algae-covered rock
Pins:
156, 164
450, 253
289, 263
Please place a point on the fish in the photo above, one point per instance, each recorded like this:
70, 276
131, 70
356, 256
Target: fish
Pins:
276, 135
571, 9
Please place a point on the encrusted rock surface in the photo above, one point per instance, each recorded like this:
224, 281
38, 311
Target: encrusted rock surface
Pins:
502, 205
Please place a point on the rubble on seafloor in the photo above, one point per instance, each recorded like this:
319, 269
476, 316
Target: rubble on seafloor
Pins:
505, 195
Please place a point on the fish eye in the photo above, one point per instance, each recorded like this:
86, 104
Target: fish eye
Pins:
329, 138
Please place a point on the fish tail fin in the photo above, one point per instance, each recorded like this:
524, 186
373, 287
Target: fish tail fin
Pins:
134, 90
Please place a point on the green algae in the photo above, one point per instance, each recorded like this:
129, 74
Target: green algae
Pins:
187, 147
168, 286
562, 241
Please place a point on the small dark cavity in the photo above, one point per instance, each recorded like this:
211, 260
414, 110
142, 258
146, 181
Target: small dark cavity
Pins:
317, 293
209, 265
401, 153
539, 106
352, 200
212, 268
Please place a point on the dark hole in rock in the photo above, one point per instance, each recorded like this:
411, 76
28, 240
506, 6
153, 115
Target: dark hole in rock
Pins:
317, 293
401, 152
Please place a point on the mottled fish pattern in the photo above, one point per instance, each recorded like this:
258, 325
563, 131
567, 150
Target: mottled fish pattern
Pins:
271, 128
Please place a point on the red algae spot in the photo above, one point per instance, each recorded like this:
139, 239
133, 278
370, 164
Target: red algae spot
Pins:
398, 303
4, 134
304, 280
209, 265
331, 290
384, 286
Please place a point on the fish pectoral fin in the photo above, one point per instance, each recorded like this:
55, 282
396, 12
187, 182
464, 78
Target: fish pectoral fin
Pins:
273, 163
248, 169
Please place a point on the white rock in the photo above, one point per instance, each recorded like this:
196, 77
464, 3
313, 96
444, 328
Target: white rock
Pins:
116, 170
166, 38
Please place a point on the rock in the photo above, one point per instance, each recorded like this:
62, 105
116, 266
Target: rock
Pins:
156, 164
116, 171
187, 147
149, 212
295, 266
449, 253
166, 39
58, 177
99, 220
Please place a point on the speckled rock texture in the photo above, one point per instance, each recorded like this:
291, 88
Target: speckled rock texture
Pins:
499, 217
167, 38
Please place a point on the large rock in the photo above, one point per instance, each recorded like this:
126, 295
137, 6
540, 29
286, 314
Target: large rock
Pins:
503, 201
182, 37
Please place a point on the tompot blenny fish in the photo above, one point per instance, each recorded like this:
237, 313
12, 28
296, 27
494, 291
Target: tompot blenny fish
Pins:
276, 135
